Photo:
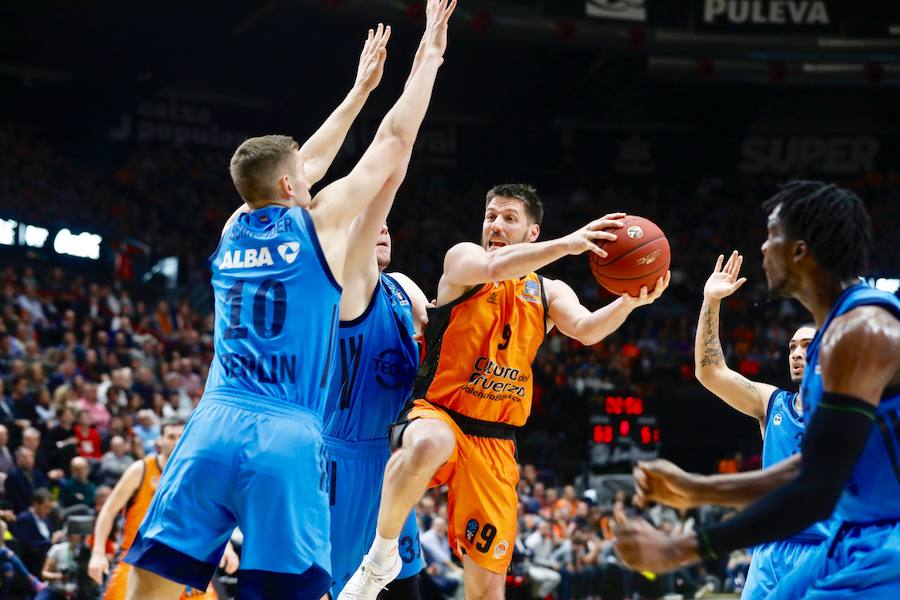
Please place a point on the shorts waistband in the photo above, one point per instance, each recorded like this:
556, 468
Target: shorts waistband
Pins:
255, 403
479, 428
358, 448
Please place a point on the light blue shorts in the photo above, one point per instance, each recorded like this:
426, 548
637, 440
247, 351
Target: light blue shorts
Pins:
356, 472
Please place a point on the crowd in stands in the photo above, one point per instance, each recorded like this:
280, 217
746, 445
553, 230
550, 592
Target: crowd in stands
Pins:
90, 365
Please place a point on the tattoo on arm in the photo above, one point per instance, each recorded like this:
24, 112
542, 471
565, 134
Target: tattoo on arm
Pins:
712, 348
745, 383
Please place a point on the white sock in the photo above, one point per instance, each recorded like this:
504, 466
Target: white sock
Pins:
383, 551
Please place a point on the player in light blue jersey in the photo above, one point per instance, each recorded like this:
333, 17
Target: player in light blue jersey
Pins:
252, 453
374, 369
819, 236
779, 413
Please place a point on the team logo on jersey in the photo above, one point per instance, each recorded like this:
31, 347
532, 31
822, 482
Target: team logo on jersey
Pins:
247, 258
532, 292
471, 530
635, 232
501, 549
392, 371
777, 419
492, 298
289, 251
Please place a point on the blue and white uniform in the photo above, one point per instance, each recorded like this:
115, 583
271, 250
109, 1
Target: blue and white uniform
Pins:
861, 558
252, 453
375, 366
772, 561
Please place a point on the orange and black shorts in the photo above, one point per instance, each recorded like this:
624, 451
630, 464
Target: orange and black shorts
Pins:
481, 476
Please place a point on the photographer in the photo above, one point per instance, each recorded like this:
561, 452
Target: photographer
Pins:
62, 569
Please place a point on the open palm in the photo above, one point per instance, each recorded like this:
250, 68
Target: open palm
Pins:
724, 280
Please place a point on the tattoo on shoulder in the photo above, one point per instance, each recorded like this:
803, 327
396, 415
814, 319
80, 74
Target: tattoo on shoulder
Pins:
712, 348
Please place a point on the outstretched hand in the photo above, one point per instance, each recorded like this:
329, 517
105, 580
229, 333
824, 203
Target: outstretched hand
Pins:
724, 280
663, 482
437, 18
586, 238
371, 59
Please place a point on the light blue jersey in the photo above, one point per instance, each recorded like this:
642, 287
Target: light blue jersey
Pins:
873, 491
374, 369
861, 559
253, 448
783, 439
277, 308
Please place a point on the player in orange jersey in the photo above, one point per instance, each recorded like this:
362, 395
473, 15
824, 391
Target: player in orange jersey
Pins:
133, 493
474, 387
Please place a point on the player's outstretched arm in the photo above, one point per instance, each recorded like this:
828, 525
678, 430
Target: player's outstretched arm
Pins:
589, 327
469, 264
749, 397
335, 207
860, 357
124, 489
319, 150
663, 482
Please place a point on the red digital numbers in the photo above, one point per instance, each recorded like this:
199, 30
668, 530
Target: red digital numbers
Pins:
618, 405
624, 428
649, 435
603, 434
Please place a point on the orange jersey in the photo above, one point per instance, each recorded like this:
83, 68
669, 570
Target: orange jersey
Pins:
479, 350
140, 501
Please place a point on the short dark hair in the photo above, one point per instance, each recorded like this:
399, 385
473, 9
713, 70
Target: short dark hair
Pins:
254, 163
170, 422
40, 496
831, 220
534, 208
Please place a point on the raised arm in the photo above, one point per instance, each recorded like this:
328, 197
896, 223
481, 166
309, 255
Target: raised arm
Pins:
860, 357
335, 207
749, 397
118, 498
469, 264
320, 149
575, 321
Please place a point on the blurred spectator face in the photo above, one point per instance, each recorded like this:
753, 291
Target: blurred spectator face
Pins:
90, 393
25, 458
21, 388
426, 505
545, 529
582, 509
797, 352
145, 376
529, 473
100, 497
85, 420
4, 435
118, 446
169, 437
116, 426
44, 508
102, 339
74, 539
66, 418
121, 341
619, 497
31, 439
440, 526
552, 496
539, 490
80, 468
505, 223
569, 493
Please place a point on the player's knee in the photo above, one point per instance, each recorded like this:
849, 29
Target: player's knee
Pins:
429, 452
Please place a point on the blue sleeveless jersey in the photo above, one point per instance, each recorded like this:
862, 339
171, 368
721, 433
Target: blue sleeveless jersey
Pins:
784, 438
374, 366
873, 491
277, 308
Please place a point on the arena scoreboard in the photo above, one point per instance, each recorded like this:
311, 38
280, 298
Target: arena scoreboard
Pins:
623, 430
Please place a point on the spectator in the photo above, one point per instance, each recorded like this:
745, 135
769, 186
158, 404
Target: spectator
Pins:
23, 481
7, 462
62, 437
543, 567
31, 439
60, 569
77, 489
11, 566
446, 574
99, 413
147, 429
114, 462
34, 532
89, 445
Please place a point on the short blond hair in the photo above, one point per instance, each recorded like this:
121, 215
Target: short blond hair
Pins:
255, 163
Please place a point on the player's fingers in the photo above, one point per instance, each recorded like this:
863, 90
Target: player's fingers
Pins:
602, 235
614, 216
606, 223
737, 267
643, 297
597, 249
738, 284
718, 266
386, 36
449, 10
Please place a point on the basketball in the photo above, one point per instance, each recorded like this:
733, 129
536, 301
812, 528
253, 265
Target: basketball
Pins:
637, 258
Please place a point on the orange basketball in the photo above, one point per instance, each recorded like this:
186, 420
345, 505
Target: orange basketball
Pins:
638, 257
